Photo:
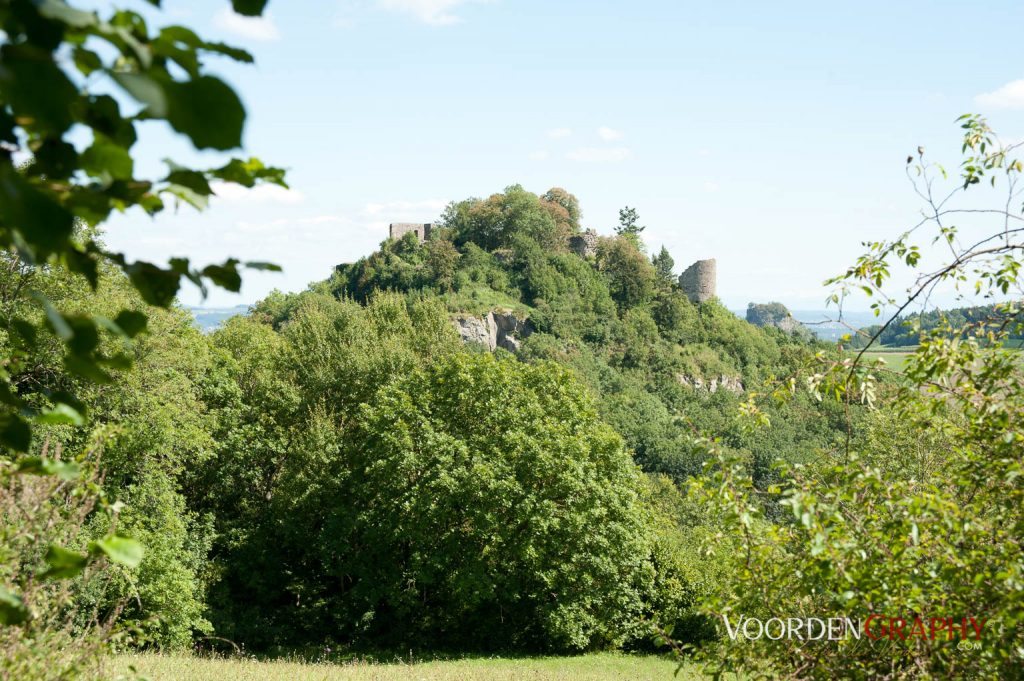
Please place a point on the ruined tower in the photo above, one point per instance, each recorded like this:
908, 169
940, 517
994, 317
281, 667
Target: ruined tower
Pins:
698, 281
399, 229
585, 244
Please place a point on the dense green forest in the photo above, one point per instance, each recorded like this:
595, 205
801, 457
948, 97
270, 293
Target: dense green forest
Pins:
338, 467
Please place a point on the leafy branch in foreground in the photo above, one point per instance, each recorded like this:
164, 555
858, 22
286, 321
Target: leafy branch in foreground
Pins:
48, 503
919, 515
64, 71
64, 74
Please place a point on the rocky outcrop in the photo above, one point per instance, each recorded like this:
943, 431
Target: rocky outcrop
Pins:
793, 327
731, 384
776, 314
499, 329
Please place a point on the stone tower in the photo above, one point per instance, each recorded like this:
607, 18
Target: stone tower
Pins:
585, 244
399, 229
698, 281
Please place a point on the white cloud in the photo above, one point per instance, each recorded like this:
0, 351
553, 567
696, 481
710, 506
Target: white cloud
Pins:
252, 28
711, 186
598, 155
538, 155
228, 191
432, 12
402, 211
1010, 96
608, 134
559, 133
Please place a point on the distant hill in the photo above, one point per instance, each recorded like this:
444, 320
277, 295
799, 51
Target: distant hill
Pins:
209, 318
821, 322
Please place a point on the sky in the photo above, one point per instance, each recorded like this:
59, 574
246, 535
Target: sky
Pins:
770, 136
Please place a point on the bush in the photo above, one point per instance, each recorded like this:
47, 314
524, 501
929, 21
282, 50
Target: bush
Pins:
481, 503
46, 629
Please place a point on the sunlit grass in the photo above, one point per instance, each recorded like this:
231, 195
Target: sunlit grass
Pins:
596, 667
894, 361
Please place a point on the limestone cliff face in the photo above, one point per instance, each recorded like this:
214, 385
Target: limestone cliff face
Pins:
731, 384
792, 326
776, 314
499, 329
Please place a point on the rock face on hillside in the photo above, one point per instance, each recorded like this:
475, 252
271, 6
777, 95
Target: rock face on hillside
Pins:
499, 329
731, 384
776, 314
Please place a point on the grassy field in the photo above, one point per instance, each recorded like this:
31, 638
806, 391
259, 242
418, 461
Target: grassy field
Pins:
893, 360
896, 358
597, 667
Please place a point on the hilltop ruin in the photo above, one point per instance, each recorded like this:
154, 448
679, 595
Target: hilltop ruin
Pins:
698, 281
396, 230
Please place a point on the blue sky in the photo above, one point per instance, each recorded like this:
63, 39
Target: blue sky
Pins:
771, 136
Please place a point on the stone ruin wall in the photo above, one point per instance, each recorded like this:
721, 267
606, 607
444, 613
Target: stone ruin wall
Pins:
585, 244
698, 281
399, 229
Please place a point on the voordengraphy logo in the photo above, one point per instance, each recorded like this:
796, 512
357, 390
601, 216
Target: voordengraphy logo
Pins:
875, 628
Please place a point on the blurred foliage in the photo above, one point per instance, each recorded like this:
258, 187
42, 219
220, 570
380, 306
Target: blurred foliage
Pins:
919, 513
65, 70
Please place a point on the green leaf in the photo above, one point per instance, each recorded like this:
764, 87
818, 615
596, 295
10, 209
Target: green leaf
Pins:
7, 126
103, 115
86, 61
14, 432
226, 276
85, 336
191, 179
65, 470
197, 201
106, 160
157, 286
35, 88
42, 222
206, 110
263, 266
87, 368
26, 331
54, 158
83, 263
35, 465
172, 38
12, 607
132, 323
247, 173
55, 9
249, 8
145, 90
64, 564
119, 549
62, 414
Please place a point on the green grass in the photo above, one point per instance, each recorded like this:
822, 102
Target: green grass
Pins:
895, 358
595, 667
480, 299
895, 361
